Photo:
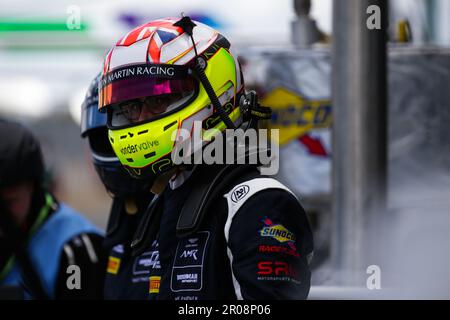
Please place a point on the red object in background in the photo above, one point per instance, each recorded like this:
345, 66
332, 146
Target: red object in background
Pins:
314, 145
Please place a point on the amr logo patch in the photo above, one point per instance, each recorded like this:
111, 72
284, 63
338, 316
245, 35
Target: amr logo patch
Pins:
187, 270
190, 254
239, 193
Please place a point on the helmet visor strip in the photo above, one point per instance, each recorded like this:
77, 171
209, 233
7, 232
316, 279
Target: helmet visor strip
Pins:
138, 93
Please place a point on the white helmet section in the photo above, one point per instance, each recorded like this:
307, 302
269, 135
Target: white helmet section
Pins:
172, 46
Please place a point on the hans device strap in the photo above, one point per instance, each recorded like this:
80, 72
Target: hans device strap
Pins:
199, 69
209, 186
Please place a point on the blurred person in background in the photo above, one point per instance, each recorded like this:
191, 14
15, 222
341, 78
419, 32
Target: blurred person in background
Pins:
215, 231
41, 237
130, 200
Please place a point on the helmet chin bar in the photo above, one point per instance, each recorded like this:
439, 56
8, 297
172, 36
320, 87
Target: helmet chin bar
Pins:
199, 69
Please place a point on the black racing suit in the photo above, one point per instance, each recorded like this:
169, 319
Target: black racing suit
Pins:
124, 280
258, 249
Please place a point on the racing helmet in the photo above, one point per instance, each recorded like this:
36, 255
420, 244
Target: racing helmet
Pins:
158, 79
93, 126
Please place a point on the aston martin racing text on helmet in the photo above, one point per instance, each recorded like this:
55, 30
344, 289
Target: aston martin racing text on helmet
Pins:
151, 87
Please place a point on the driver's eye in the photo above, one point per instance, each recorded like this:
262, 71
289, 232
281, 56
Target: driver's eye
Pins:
131, 111
153, 101
161, 100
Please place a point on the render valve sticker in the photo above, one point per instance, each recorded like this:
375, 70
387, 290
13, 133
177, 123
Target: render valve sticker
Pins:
187, 271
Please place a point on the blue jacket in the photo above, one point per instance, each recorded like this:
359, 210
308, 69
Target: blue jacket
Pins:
47, 244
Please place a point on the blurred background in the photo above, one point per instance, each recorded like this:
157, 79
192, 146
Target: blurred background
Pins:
350, 113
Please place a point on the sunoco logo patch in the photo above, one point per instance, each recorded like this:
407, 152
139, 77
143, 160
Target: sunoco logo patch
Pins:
276, 231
